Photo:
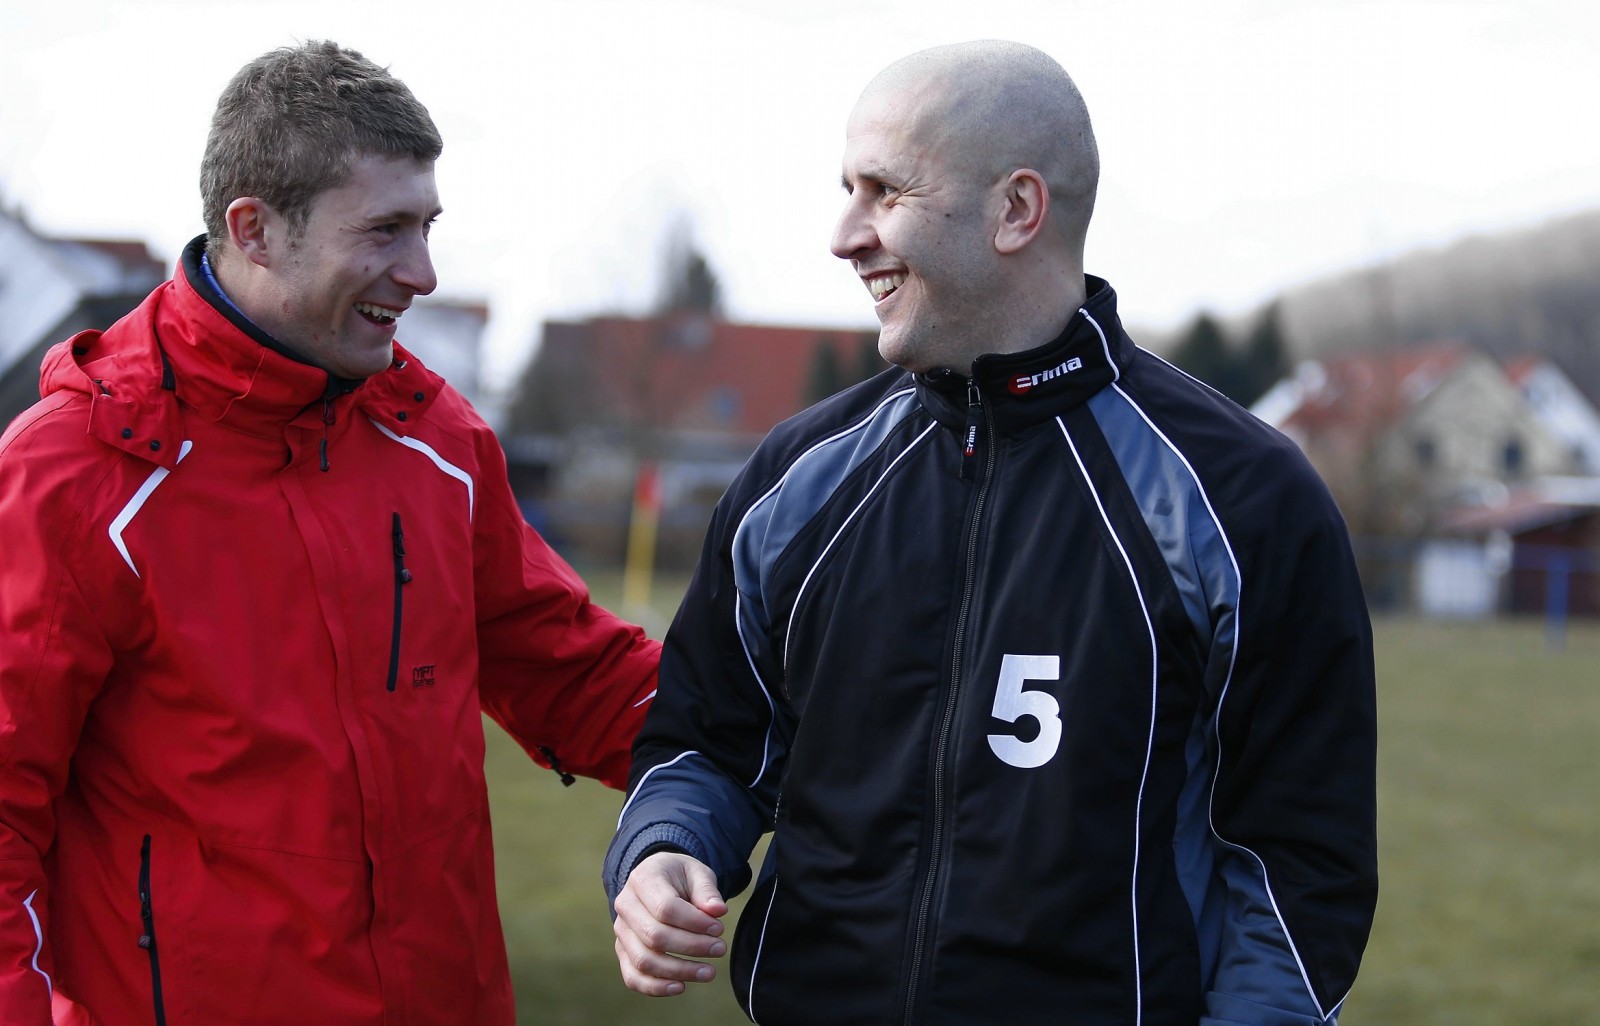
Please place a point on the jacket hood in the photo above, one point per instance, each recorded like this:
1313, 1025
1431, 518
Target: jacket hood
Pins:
185, 343
1023, 388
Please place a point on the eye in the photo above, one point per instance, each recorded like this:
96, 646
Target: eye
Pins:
387, 228
888, 192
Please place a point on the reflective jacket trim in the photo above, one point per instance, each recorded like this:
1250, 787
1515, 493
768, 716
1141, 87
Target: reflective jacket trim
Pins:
1105, 344
1189, 557
1150, 736
439, 461
637, 788
844, 525
755, 671
38, 936
755, 963
770, 524
131, 510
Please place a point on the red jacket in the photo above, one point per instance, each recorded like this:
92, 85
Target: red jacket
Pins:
241, 748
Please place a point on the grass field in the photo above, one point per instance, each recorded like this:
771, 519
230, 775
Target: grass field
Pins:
1490, 842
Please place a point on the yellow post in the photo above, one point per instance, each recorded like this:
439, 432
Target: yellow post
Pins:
638, 573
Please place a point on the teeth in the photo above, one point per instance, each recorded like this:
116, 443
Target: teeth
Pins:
884, 285
380, 312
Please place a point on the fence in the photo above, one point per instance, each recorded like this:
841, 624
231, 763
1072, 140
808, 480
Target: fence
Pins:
1461, 579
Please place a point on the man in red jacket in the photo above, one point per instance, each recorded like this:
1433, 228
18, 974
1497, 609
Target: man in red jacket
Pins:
262, 575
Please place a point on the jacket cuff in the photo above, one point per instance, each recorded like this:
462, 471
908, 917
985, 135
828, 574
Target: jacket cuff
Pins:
653, 838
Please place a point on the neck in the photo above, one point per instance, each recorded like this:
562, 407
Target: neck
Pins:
1041, 310
232, 279
232, 297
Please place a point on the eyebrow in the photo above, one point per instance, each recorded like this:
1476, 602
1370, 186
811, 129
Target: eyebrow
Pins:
873, 173
403, 215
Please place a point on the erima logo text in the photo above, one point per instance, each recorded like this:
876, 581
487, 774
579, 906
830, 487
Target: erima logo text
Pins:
1023, 382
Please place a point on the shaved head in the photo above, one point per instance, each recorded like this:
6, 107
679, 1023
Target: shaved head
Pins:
970, 175
999, 106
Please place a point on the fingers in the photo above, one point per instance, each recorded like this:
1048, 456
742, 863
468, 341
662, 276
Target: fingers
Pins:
655, 972
699, 885
667, 916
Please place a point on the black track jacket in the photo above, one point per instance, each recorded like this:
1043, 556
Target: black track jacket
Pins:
1056, 686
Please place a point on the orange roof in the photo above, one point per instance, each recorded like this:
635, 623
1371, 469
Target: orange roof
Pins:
1370, 391
1519, 367
692, 372
128, 252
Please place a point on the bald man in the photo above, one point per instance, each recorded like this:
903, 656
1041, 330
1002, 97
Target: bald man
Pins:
1047, 666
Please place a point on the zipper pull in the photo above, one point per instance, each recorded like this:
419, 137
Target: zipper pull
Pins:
146, 941
969, 440
327, 421
567, 779
400, 572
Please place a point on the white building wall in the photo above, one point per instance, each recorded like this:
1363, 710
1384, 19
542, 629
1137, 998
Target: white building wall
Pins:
1566, 413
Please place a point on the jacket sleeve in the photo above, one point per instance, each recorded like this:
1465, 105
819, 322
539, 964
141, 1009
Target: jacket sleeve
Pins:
707, 762
1293, 810
567, 679
53, 661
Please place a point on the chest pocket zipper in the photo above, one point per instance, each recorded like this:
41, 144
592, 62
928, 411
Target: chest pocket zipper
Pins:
147, 940
402, 577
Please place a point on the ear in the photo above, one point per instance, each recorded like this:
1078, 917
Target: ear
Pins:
252, 227
1027, 201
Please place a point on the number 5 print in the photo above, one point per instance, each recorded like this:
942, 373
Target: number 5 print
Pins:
1012, 702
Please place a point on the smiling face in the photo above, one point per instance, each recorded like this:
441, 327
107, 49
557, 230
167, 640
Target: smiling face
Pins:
918, 227
334, 290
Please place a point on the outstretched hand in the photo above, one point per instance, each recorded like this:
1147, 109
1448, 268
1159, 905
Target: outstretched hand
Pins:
669, 908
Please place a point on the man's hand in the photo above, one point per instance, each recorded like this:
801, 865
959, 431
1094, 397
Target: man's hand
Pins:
669, 907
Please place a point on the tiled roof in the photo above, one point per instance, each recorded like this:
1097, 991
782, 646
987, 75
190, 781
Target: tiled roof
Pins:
692, 371
1370, 391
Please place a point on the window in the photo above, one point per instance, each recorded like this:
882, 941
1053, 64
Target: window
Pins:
1513, 458
726, 405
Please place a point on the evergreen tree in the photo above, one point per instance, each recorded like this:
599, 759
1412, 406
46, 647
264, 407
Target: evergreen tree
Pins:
1265, 357
825, 378
868, 362
689, 285
1204, 353
693, 286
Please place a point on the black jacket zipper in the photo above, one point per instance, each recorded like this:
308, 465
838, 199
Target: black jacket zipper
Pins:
402, 577
147, 940
969, 436
327, 422
976, 413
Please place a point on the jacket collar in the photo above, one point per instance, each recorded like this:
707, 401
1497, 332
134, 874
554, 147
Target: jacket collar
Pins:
186, 343
1019, 389
226, 367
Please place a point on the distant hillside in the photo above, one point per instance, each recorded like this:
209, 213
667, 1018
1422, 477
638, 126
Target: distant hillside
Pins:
1531, 290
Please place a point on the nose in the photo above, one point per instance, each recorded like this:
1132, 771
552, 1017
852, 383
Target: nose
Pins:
414, 269
854, 232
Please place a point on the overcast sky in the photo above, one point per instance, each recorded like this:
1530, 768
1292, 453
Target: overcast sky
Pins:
1246, 145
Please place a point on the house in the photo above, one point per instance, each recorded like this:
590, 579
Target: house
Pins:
447, 335
1543, 543
1400, 434
1463, 481
686, 372
1559, 405
50, 289
685, 391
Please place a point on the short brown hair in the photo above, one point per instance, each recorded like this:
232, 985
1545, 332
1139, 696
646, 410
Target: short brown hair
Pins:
291, 122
